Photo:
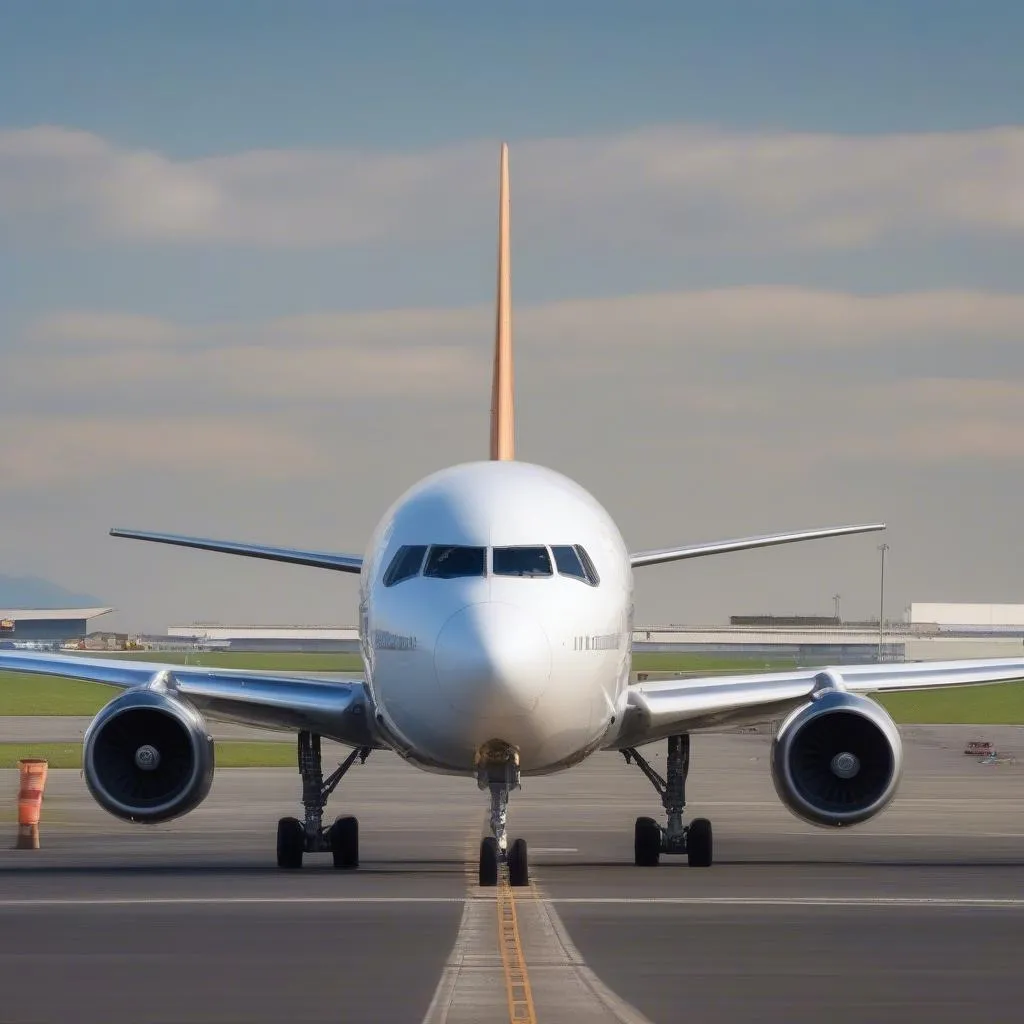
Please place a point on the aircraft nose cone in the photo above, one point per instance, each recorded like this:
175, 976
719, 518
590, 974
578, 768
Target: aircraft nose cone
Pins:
493, 659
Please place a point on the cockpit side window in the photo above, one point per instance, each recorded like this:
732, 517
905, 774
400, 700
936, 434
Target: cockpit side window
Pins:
573, 560
450, 562
588, 566
521, 561
406, 564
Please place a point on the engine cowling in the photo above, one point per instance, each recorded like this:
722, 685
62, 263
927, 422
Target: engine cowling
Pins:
837, 760
148, 757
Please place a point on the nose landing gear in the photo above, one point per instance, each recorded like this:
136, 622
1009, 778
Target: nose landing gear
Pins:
294, 837
651, 840
500, 776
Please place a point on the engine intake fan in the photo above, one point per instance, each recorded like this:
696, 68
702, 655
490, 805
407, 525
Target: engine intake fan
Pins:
837, 760
148, 757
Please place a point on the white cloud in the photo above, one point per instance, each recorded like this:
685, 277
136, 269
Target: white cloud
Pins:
84, 328
689, 185
295, 359
746, 317
774, 319
816, 426
76, 183
679, 361
47, 451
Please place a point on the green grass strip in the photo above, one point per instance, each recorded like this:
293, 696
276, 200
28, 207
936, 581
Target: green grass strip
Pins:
230, 754
998, 704
263, 661
50, 695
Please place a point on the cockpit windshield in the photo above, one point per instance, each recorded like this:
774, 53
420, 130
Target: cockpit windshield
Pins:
454, 561
450, 562
573, 560
406, 564
521, 561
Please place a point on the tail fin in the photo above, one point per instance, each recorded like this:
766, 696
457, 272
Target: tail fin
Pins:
503, 406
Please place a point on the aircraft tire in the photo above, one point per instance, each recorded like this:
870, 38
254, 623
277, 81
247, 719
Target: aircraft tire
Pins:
518, 864
646, 843
291, 843
699, 843
344, 842
489, 861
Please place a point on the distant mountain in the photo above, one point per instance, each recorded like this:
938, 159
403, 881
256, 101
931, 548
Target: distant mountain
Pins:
31, 592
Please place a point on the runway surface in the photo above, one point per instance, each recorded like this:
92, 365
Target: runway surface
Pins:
918, 915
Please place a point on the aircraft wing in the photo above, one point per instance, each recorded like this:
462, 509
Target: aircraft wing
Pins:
661, 708
720, 547
317, 559
336, 709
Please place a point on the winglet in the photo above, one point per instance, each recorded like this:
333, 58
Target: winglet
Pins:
503, 410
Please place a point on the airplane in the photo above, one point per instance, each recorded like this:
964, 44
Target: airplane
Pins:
495, 624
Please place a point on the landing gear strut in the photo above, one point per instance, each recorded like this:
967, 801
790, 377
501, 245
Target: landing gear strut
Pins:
500, 776
294, 837
650, 839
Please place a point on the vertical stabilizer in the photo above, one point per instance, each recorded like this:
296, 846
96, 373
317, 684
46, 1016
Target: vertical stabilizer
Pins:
503, 410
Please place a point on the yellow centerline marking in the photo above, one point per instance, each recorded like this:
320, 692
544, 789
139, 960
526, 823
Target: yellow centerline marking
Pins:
517, 980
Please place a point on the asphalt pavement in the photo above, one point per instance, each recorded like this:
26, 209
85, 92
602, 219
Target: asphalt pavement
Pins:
918, 915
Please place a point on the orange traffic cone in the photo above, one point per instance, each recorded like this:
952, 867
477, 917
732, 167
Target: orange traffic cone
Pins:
32, 771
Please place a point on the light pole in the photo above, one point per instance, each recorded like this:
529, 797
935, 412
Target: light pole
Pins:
881, 600
835, 598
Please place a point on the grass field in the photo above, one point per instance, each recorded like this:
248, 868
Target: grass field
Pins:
229, 754
1002, 704
50, 695
268, 661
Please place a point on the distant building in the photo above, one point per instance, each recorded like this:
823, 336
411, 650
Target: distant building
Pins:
973, 618
46, 625
268, 638
770, 621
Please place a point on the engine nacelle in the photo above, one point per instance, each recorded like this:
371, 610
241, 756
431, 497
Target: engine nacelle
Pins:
148, 757
837, 760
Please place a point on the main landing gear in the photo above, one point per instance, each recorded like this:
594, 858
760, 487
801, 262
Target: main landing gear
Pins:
294, 837
500, 777
651, 840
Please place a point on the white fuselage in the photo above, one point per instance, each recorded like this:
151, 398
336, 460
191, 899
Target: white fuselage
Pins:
464, 652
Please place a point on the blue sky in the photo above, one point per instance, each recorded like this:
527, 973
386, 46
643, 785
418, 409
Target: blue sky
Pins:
727, 212
195, 78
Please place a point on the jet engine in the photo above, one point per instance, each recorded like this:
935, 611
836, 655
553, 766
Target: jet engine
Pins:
837, 760
148, 757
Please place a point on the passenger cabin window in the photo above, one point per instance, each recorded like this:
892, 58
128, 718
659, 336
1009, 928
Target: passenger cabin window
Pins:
521, 561
449, 563
406, 564
573, 560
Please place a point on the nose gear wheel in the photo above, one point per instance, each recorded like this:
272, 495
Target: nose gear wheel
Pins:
500, 777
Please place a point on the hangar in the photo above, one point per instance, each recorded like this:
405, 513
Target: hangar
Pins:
969, 618
46, 625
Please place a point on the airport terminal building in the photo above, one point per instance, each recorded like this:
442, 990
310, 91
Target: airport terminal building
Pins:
927, 632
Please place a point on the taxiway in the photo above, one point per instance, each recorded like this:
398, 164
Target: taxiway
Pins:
917, 915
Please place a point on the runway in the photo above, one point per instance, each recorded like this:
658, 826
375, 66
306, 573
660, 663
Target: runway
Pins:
918, 915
